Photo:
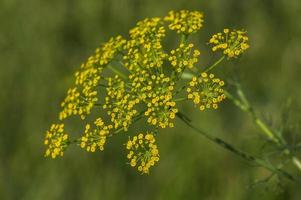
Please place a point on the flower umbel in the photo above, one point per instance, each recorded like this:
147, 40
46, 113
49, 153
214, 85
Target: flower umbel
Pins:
119, 103
56, 141
206, 91
183, 57
231, 43
138, 78
185, 21
142, 152
95, 138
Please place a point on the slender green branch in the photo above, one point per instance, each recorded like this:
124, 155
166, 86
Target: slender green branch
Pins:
236, 151
180, 99
119, 73
245, 106
187, 76
215, 64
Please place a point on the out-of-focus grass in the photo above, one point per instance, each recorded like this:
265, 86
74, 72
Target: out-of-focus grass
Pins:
41, 45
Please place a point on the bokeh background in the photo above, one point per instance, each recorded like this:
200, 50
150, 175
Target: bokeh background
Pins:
43, 42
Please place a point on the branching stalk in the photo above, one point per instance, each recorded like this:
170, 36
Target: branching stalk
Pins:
215, 64
117, 72
245, 106
236, 151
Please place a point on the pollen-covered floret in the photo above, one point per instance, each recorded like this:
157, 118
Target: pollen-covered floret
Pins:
110, 49
82, 98
231, 43
119, 103
161, 108
56, 141
206, 91
95, 138
184, 21
142, 152
183, 57
144, 50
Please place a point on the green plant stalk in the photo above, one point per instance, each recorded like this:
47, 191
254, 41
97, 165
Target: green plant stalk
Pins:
263, 126
215, 64
236, 151
245, 106
117, 72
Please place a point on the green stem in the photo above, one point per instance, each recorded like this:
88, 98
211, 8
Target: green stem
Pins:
180, 99
244, 105
246, 108
215, 64
119, 73
236, 151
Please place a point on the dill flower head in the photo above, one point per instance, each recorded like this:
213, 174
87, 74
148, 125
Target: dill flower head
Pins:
144, 49
95, 138
142, 152
161, 108
183, 57
56, 141
82, 98
231, 43
119, 103
184, 21
126, 80
110, 49
206, 91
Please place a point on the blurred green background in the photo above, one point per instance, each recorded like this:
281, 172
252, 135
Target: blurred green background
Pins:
43, 42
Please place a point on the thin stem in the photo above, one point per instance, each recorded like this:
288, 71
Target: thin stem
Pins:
119, 73
215, 64
181, 99
236, 151
245, 106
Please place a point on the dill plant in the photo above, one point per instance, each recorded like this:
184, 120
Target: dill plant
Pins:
147, 82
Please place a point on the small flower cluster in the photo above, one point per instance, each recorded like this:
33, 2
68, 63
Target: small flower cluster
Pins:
137, 79
160, 104
120, 105
82, 98
144, 49
185, 22
142, 152
95, 138
56, 140
231, 43
183, 57
206, 91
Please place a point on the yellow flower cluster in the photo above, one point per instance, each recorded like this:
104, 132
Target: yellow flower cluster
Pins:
119, 103
184, 21
161, 109
146, 83
81, 99
231, 43
143, 152
144, 60
95, 138
206, 91
144, 50
110, 49
183, 57
56, 141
